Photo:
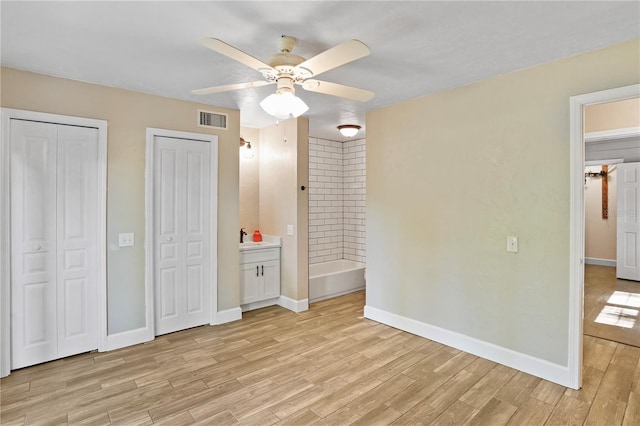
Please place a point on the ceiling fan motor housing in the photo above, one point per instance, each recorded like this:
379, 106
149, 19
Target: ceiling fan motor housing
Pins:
285, 66
285, 84
285, 63
285, 59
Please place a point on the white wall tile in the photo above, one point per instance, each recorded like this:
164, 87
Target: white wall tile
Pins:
354, 201
337, 200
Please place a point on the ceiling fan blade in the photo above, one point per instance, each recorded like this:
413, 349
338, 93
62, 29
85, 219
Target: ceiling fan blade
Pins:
235, 54
341, 54
226, 88
339, 90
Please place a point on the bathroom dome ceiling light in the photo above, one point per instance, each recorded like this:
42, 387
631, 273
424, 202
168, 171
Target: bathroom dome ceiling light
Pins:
349, 130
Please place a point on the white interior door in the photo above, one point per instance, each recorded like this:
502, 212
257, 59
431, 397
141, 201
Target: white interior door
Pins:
628, 232
33, 243
53, 241
77, 239
182, 269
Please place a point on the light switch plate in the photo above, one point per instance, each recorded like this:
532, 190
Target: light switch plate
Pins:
126, 240
512, 244
289, 229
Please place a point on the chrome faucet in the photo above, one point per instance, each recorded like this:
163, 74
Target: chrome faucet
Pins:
242, 234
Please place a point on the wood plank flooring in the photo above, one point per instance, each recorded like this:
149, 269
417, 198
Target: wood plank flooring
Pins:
326, 366
611, 306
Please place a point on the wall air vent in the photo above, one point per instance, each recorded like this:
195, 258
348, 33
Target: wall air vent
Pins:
212, 120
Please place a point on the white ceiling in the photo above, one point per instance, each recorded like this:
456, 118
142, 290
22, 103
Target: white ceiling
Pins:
417, 47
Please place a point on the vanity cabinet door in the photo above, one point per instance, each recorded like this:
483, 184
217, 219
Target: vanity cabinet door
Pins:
250, 281
271, 279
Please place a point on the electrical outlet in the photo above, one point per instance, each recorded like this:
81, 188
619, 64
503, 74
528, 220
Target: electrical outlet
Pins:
289, 229
126, 240
512, 244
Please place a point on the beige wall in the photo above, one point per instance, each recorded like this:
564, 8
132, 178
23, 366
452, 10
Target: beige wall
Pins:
129, 114
302, 179
612, 115
283, 150
451, 175
600, 234
250, 182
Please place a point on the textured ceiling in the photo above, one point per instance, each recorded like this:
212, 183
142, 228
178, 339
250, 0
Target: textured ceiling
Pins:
417, 47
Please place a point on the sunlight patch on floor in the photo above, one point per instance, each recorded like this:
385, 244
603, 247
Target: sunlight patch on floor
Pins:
625, 298
617, 316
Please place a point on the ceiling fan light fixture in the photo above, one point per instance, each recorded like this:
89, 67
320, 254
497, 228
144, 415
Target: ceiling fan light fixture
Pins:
349, 130
286, 69
284, 105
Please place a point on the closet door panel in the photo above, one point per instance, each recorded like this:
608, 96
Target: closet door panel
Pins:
33, 243
167, 254
77, 239
196, 229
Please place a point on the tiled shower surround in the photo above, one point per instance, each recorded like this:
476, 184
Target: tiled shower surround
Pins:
337, 200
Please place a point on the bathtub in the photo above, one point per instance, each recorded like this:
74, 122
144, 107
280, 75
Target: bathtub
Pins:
335, 278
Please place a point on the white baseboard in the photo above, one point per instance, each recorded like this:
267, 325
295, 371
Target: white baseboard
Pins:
127, 338
259, 305
229, 315
142, 335
294, 305
523, 362
336, 294
599, 262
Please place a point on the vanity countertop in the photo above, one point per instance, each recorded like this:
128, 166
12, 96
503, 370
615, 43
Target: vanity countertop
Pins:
268, 241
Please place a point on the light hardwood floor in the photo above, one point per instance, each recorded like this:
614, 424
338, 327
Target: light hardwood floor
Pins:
326, 366
611, 306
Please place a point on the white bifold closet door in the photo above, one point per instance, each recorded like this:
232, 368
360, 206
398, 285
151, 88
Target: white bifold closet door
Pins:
628, 232
181, 216
54, 237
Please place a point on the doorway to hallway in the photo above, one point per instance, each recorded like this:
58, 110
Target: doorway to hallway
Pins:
577, 220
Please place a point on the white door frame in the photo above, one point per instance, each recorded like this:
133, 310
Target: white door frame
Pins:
149, 225
576, 219
5, 223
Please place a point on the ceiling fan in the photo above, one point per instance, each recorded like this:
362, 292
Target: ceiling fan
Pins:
286, 70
